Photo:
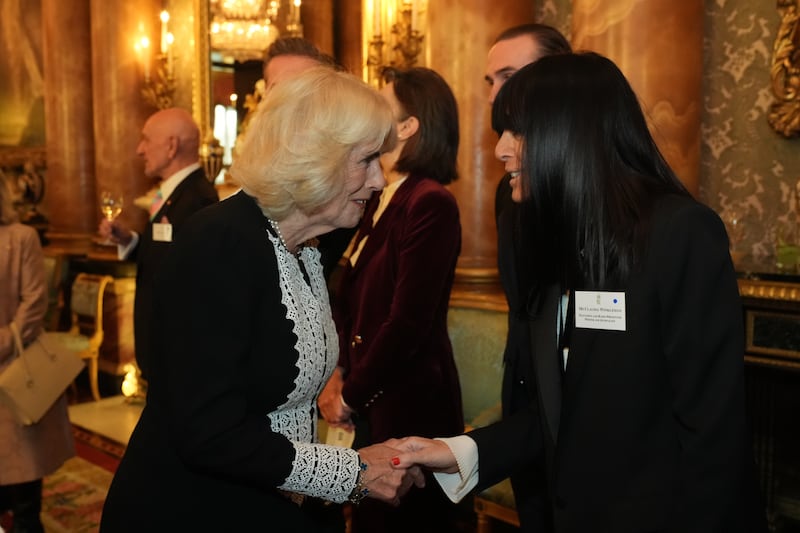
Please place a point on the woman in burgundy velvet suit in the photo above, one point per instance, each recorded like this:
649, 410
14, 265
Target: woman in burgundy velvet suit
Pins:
396, 372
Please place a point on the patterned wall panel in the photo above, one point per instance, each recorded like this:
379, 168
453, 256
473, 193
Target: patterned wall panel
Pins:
747, 167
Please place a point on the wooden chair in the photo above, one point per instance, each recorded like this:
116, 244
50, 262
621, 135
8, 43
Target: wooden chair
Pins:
86, 332
496, 503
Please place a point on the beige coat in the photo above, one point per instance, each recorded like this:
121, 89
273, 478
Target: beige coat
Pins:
27, 453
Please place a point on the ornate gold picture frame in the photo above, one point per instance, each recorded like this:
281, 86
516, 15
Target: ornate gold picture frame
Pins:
784, 114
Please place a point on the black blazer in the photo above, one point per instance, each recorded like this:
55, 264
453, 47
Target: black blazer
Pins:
518, 389
204, 456
652, 432
191, 194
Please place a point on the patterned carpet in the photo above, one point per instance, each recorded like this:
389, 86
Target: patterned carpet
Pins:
72, 498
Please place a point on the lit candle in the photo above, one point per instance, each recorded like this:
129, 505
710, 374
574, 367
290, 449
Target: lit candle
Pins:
144, 46
164, 32
415, 15
170, 40
296, 4
376, 18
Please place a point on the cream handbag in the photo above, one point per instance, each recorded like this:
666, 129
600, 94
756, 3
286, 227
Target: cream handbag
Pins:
38, 376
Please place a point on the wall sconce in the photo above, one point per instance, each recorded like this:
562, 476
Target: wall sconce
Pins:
158, 90
395, 36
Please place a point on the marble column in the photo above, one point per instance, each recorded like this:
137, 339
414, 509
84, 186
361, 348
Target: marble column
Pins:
119, 109
347, 40
317, 18
658, 44
460, 57
70, 191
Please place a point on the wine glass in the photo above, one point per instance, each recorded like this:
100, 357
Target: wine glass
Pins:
111, 207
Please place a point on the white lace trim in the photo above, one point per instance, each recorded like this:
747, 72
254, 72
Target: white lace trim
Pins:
318, 470
322, 471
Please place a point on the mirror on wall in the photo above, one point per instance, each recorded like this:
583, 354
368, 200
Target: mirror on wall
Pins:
231, 38
232, 85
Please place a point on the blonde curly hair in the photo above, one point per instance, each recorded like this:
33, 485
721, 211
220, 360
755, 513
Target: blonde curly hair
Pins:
295, 151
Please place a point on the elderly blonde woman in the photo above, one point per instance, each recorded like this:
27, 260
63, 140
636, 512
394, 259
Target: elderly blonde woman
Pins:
228, 440
27, 453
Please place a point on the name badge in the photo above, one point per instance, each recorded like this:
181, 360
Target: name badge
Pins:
162, 232
600, 310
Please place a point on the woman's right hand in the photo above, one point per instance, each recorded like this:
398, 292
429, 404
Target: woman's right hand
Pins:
331, 404
430, 453
386, 482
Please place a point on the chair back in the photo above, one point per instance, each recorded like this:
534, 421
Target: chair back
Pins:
86, 305
478, 337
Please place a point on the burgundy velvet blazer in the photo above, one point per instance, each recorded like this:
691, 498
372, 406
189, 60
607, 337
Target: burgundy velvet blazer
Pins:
391, 313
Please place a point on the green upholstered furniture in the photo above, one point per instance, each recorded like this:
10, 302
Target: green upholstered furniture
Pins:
478, 336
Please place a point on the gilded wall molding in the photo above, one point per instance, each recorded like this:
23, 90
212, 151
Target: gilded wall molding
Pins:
784, 115
201, 80
769, 290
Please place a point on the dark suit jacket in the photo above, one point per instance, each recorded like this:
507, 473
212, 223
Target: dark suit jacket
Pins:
652, 433
193, 193
519, 390
395, 300
203, 456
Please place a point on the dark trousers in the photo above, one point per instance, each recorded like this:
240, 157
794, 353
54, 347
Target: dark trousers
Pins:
25, 502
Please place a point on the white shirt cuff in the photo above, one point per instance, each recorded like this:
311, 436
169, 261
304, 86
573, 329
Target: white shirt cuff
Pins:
344, 403
124, 251
458, 485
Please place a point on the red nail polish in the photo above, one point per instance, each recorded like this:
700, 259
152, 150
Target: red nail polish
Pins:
395, 461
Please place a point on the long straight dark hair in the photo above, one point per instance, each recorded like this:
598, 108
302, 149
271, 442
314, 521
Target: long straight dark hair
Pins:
591, 171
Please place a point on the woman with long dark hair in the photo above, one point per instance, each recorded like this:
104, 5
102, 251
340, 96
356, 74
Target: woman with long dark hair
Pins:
637, 410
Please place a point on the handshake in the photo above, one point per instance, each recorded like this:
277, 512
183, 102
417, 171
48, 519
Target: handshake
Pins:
395, 465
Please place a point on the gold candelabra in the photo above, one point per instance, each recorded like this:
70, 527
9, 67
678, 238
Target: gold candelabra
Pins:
407, 39
405, 36
375, 59
294, 28
159, 91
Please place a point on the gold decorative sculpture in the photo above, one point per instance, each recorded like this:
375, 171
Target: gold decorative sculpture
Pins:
784, 114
